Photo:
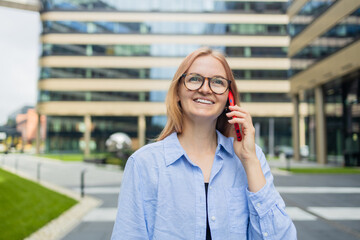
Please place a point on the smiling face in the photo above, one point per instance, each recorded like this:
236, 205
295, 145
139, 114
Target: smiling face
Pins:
203, 104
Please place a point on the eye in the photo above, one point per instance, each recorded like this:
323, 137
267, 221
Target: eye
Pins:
194, 79
218, 81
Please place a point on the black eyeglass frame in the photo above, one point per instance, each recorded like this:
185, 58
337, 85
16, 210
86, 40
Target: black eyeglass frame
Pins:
203, 80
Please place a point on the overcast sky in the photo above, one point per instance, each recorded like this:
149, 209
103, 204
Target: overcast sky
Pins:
19, 50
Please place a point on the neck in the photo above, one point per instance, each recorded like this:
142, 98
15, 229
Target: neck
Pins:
198, 136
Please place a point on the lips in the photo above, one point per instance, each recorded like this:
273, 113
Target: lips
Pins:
203, 101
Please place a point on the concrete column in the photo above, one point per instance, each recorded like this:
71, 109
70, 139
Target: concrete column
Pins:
38, 134
141, 130
321, 155
302, 131
87, 135
271, 136
295, 127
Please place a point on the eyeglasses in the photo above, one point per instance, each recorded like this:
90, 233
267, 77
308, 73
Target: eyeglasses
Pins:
218, 85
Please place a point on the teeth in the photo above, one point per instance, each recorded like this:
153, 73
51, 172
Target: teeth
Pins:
203, 101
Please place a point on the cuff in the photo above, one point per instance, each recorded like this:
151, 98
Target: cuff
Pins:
263, 200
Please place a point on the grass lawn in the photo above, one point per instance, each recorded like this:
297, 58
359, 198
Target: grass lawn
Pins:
64, 157
26, 206
325, 170
71, 156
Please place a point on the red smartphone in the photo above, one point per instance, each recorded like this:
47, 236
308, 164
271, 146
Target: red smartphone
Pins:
237, 128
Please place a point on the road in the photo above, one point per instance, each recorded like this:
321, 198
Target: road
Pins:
321, 206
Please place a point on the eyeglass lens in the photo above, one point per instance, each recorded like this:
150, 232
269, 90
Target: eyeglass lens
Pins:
217, 84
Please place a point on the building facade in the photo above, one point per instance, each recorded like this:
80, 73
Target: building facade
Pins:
106, 65
27, 125
325, 74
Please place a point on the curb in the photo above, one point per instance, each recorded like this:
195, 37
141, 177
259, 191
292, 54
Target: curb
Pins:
278, 171
61, 226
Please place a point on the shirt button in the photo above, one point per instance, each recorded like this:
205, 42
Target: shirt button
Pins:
213, 218
258, 204
265, 234
210, 187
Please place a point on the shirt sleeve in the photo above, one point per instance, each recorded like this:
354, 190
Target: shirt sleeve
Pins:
130, 220
268, 219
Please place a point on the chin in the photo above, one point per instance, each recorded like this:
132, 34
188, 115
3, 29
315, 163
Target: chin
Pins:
204, 115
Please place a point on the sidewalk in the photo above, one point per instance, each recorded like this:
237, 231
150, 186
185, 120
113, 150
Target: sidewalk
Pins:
284, 163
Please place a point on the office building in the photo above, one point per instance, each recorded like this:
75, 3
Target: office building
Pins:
325, 74
106, 65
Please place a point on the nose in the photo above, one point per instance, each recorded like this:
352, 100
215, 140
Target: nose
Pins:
205, 87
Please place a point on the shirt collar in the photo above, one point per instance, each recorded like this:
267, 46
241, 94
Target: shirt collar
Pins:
225, 142
174, 151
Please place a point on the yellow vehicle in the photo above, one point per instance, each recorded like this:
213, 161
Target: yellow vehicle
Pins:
3, 147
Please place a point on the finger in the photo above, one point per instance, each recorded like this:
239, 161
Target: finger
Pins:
235, 114
237, 120
246, 124
241, 110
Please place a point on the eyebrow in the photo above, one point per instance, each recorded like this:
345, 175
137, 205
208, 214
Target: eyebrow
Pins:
210, 77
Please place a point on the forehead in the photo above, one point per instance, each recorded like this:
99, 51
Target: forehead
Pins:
207, 66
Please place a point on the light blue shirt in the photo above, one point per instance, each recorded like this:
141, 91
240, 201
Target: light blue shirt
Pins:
163, 197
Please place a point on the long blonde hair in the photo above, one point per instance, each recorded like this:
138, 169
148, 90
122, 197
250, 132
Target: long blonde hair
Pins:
173, 110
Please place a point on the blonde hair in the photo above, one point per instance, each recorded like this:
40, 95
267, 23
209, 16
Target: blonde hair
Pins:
174, 112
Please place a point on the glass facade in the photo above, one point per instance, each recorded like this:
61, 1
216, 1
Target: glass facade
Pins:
87, 96
282, 131
156, 50
310, 11
342, 119
310, 124
166, 6
333, 98
346, 32
147, 73
153, 96
175, 28
66, 133
341, 94
342, 98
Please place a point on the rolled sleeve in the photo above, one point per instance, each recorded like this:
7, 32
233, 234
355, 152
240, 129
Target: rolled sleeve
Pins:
263, 200
268, 219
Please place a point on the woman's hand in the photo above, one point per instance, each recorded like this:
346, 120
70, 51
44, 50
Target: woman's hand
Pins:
245, 149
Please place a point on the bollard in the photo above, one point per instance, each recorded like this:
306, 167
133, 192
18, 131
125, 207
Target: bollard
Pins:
82, 182
38, 171
288, 164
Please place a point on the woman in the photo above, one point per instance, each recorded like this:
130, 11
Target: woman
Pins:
196, 182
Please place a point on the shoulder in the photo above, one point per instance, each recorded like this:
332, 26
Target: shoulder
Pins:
149, 154
147, 162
